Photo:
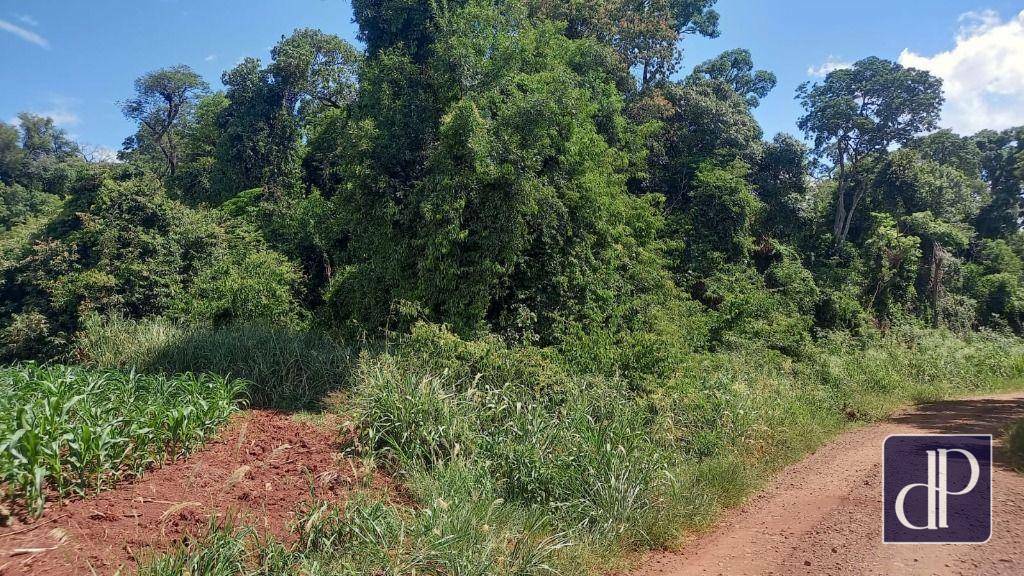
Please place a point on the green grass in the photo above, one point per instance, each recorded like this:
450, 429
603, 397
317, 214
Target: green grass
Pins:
519, 465
285, 368
1015, 445
71, 432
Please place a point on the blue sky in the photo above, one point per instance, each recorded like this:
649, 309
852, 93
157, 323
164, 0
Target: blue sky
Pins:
75, 59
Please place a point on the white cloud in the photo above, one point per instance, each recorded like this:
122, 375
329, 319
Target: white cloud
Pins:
28, 19
210, 58
831, 64
61, 110
26, 35
983, 75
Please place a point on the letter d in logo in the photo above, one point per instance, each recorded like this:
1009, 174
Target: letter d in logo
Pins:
938, 489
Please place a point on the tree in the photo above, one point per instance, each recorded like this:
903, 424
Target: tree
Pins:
269, 110
163, 101
315, 71
387, 23
507, 186
1002, 167
705, 121
194, 181
781, 181
861, 112
949, 149
735, 69
644, 33
12, 155
42, 138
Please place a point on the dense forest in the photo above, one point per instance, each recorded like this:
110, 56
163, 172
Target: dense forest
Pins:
554, 269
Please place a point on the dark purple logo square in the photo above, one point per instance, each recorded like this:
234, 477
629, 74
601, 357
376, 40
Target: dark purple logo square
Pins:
937, 489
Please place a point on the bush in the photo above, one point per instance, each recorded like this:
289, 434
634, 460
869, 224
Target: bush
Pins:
122, 247
285, 368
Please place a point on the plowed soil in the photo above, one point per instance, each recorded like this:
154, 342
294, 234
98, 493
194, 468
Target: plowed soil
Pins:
258, 472
823, 516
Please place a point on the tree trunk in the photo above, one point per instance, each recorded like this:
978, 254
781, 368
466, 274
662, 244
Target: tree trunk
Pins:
840, 216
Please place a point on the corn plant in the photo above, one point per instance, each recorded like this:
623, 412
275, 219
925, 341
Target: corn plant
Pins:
73, 432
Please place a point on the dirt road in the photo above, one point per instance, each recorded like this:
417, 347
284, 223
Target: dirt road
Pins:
823, 515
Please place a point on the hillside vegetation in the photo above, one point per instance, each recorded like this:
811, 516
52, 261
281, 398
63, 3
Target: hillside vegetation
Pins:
562, 288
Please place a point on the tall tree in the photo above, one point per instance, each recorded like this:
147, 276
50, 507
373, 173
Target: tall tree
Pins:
735, 69
263, 125
781, 179
644, 33
315, 71
162, 103
507, 184
860, 112
1002, 167
42, 138
12, 155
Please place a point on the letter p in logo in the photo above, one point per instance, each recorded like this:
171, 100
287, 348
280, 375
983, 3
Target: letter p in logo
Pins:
938, 489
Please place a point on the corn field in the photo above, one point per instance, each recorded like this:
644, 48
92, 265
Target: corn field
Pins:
69, 432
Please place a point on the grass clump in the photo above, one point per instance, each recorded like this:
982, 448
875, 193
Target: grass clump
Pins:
370, 536
70, 432
285, 368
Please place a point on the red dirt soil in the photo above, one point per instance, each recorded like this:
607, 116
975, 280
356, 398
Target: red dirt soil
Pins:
257, 472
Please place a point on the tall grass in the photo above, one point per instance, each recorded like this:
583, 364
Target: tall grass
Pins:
71, 432
518, 464
611, 466
285, 368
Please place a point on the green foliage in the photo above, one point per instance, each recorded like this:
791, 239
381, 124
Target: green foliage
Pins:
19, 205
517, 194
283, 368
595, 305
164, 101
71, 432
735, 68
717, 229
367, 536
610, 469
244, 286
1002, 155
123, 247
857, 114
892, 261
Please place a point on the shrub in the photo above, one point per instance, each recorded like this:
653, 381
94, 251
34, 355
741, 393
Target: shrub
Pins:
123, 247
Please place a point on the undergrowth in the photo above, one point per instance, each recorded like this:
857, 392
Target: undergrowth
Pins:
519, 465
285, 368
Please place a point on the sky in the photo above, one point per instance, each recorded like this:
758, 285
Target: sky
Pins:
74, 60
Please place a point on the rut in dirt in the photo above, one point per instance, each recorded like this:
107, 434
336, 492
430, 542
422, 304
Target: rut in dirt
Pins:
822, 516
258, 472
